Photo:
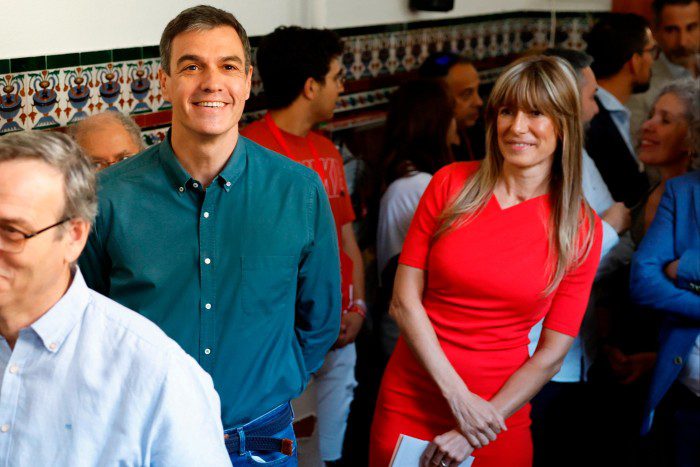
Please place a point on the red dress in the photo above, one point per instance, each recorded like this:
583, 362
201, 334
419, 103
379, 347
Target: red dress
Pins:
483, 294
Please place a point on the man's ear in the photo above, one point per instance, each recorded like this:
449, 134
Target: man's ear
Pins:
164, 84
310, 88
634, 64
76, 235
248, 81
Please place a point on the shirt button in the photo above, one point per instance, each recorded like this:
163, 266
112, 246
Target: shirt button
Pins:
207, 351
228, 183
208, 306
206, 214
678, 360
195, 184
5, 428
53, 346
14, 369
207, 261
181, 189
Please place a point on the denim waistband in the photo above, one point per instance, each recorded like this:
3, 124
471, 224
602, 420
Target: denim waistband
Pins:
255, 435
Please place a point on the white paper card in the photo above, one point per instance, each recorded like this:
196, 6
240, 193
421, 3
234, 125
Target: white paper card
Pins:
408, 451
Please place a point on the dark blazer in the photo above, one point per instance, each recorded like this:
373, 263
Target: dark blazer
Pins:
616, 164
674, 234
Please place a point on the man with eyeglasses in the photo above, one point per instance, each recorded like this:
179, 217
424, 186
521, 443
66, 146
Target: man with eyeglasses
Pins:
623, 50
303, 78
108, 138
84, 381
677, 29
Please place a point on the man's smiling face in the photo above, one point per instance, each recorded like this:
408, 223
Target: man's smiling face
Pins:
207, 83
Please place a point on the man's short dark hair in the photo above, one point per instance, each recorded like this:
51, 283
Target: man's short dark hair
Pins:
438, 64
199, 18
614, 40
577, 59
659, 5
290, 55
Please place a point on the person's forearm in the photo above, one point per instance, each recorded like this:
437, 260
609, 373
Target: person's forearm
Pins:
420, 336
350, 247
525, 383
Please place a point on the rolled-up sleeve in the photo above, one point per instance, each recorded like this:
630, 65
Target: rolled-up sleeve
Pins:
318, 306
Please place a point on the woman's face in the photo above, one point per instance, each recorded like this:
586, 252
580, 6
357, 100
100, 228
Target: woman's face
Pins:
526, 138
664, 139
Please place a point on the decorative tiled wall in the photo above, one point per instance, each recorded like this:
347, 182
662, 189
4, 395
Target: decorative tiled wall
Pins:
53, 91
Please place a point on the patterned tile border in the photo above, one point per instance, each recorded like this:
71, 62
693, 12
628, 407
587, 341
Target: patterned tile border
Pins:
47, 92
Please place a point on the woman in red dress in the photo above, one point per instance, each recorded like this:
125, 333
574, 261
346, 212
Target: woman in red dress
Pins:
492, 248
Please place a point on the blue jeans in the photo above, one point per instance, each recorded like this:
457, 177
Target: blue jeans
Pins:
274, 425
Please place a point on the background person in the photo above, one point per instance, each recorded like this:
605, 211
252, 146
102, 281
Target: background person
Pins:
666, 277
462, 80
67, 353
677, 31
461, 367
623, 50
301, 73
665, 140
420, 130
108, 138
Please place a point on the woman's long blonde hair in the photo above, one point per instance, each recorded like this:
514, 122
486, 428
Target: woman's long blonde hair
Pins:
548, 85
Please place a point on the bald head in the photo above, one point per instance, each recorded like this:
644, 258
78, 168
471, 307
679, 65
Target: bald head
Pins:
108, 138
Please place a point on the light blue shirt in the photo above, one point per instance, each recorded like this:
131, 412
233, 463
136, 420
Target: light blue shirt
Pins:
91, 383
620, 116
578, 360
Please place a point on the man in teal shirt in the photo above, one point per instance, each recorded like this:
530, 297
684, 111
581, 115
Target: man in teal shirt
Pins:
229, 247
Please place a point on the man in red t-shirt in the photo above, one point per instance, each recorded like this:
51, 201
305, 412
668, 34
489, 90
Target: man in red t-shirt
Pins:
302, 77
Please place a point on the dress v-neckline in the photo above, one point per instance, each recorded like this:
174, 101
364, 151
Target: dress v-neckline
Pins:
527, 201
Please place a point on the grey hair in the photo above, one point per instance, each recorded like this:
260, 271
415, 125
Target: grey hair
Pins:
688, 92
128, 123
199, 18
63, 154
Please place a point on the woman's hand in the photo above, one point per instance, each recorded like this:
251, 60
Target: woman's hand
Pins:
447, 449
477, 419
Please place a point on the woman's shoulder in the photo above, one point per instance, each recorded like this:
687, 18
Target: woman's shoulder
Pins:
457, 172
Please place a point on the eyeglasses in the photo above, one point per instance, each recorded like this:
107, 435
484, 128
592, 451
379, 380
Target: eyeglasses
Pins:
654, 51
100, 164
13, 240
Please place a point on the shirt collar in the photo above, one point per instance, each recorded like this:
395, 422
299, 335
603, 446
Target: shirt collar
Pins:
610, 102
676, 71
183, 181
56, 324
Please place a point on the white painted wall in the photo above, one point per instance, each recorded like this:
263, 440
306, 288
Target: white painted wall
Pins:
48, 27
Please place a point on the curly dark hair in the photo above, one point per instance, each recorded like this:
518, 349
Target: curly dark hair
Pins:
289, 56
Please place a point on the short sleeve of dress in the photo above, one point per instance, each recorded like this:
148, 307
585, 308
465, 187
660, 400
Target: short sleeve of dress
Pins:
425, 221
571, 297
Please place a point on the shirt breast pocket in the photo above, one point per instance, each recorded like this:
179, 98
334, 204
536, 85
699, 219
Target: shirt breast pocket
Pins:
268, 284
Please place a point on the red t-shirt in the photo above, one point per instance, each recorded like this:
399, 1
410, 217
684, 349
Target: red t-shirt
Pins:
333, 178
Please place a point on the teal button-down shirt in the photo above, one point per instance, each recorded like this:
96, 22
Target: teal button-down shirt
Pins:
243, 275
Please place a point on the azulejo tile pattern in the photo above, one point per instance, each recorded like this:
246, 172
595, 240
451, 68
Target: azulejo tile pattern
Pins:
49, 92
